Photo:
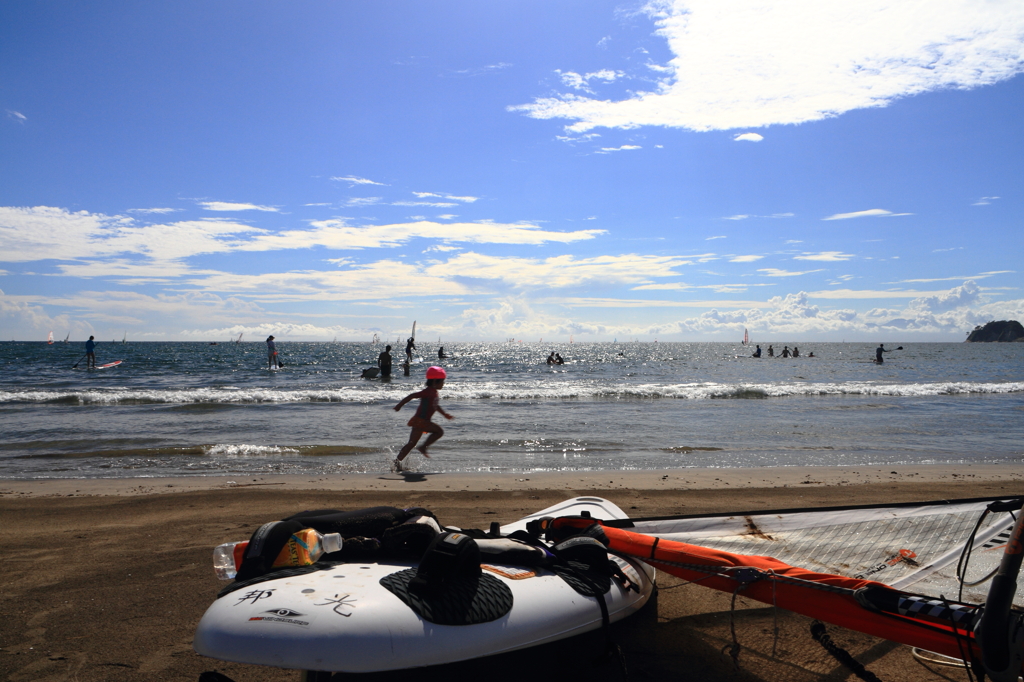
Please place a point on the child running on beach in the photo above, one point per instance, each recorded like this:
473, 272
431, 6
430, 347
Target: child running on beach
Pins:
420, 422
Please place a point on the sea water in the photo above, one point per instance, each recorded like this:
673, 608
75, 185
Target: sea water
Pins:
174, 409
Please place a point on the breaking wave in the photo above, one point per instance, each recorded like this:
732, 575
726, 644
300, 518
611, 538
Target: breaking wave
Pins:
511, 390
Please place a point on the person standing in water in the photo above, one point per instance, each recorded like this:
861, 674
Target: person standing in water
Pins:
757, 353
410, 346
90, 352
440, 353
878, 353
272, 360
785, 352
421, 421
384, 362
771, 351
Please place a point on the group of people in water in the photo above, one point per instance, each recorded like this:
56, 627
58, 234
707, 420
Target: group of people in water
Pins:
555, 359
795, 353
786, 353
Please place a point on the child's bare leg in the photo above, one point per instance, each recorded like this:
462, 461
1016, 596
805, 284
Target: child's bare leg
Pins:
435, 433
414, 437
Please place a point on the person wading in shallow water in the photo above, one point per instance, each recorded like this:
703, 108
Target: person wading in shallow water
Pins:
384, 362
421, 421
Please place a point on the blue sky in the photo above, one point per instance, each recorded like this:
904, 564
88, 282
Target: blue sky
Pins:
670, 170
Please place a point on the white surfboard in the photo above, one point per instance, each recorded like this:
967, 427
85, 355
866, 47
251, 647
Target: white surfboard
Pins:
343, 620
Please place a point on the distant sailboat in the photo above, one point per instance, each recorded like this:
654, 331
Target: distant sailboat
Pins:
746, 337
67, 337
239, 339
49, 339
124, 340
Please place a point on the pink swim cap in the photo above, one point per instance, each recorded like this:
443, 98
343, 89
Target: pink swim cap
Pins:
436, 372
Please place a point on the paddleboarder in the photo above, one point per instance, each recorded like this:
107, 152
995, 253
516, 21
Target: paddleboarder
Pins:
878, 353
272, 360
90, 352
421, 421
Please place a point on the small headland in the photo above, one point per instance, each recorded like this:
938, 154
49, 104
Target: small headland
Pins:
1004, 330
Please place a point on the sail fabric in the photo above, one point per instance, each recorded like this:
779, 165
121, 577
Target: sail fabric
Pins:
903, 546
855, 603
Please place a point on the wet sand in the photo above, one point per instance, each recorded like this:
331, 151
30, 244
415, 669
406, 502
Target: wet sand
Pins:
107, 579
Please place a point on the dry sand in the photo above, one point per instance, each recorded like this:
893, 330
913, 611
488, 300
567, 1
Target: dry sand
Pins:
106, 580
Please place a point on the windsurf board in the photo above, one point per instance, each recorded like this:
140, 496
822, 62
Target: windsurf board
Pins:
344, 620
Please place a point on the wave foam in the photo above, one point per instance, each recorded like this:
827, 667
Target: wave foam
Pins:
512, 390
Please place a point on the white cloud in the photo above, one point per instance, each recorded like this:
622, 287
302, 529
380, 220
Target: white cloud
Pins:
561, 271
744, 216
984, 201
362, 201
748, 137
17, 116
719, 236
378, 281
775, 272
868, 293
750, 64
42, 232
582, 83
435, 204
232, 206
870, 213
154, 210
481, 70
353, 180
961, 278
745, 259
825, 256
337, 234
623, 148
967, 294
449, 197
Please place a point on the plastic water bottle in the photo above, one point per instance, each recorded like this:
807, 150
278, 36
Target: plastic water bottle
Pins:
303, 548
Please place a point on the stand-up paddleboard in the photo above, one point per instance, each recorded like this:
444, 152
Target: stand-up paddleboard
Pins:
344, 618
115, 363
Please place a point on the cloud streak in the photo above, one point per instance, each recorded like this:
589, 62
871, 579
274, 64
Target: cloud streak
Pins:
870, 213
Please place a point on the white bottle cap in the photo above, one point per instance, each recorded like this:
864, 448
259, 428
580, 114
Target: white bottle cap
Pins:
332, 542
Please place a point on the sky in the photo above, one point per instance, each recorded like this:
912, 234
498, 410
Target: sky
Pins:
585, 170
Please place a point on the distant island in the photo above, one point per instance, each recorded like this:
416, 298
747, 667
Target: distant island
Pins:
1004, 330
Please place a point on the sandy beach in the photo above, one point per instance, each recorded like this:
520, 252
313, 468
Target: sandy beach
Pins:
107, 579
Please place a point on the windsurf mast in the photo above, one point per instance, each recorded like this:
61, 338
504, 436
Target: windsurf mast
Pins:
1000, 632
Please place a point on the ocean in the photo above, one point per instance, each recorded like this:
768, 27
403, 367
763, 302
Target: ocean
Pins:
174, 409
